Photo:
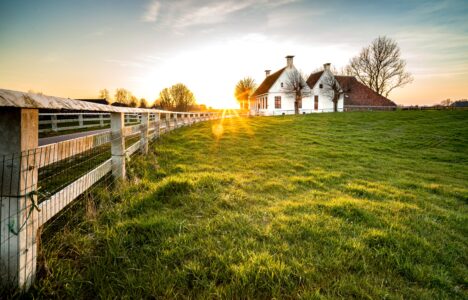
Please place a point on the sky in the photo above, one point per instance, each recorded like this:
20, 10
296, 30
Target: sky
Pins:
74, 49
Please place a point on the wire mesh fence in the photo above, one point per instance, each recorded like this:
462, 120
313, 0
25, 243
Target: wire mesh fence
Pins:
38, 187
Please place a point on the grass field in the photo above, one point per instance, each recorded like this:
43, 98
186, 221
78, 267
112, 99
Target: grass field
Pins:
363, 205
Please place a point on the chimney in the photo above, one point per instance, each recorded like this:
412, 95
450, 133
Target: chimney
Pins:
289, 61
267, 73
326, 67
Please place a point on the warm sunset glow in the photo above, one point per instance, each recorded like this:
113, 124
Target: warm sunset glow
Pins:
210, 46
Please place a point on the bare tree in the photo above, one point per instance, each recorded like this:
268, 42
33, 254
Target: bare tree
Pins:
177, 97
244, 89
380, 66
334, 90
104, 94
143, 103
165, 99
446, 102
295, 84
122, 96
133, 101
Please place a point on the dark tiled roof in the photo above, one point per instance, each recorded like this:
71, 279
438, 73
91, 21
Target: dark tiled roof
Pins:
313, 78
98, 101
120, 104
268, 83
359, 94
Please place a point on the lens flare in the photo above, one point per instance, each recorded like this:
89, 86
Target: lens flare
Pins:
218, 130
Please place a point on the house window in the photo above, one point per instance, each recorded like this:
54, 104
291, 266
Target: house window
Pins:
278, 101
321, 86
316, 102
281, 84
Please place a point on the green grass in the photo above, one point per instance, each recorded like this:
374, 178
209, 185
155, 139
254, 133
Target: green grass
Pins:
345, 205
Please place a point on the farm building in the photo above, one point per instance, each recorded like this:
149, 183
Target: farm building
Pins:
274, 96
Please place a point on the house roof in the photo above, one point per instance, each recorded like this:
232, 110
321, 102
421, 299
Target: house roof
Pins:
120, 104
268, 83
98, 101
359, 94
313, 78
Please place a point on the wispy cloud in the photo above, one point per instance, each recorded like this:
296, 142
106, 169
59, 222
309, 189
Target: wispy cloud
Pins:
218, 11
152, 11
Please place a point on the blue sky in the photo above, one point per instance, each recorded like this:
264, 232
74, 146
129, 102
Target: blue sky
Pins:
76, 48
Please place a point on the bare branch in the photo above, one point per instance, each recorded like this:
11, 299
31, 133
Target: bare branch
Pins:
380, 66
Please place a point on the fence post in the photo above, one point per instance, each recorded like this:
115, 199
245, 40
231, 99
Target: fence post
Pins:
101, 120
118, 145
19, 223
168, 122
80, 120
53, 120
144, 126
157, 121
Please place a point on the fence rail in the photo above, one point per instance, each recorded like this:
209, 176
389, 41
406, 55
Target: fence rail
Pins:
37, 183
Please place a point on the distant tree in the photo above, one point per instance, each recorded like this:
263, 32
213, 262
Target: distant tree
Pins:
460, 103
143, 103
183, 97
380, 66
133, 101
157, 104
178, 97
244, 89
333, 89
295, 84
122, 96
166, 100
104, 94
446, 102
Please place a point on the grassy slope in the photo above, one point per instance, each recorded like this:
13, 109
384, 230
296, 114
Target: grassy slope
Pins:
370, 205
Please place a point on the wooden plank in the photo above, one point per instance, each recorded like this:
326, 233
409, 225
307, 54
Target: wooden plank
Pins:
9, 98
65, 196
132, 149
131, 130
52, 153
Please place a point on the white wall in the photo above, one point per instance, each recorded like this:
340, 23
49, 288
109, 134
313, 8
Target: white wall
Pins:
287, 99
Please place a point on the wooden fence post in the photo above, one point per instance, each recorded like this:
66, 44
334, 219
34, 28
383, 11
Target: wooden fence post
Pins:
101, 120
80, 120
53, 120
168, 122
19, 223
144, 128
118, 145
157, 120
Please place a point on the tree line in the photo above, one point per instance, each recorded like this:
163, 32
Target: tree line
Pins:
175, 98
378, 66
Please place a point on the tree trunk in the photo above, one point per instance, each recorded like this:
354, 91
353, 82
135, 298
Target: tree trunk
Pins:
335, 106
296, 106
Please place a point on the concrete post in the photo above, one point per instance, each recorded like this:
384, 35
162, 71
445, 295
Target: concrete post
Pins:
19, 223
118, 145
53, 119
176, 125
144, 128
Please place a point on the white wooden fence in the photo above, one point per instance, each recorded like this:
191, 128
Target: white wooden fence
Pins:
22, 161
55, 122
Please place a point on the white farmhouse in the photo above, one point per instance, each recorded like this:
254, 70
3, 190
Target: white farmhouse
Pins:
273, 97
